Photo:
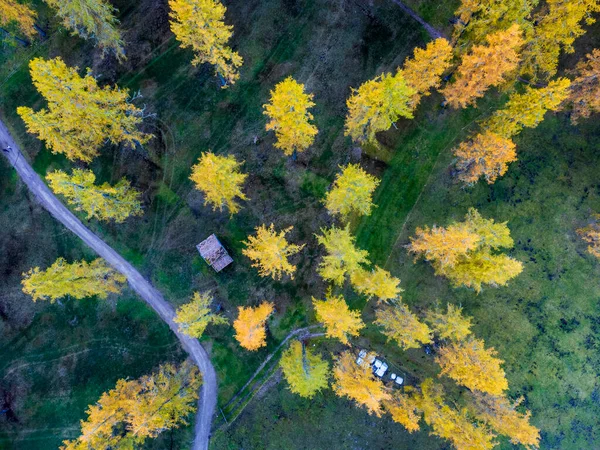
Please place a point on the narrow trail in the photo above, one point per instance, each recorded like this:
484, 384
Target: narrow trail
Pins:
433, 32
208, 394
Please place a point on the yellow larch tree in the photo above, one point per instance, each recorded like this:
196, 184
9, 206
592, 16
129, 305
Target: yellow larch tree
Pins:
591, 235
135, 410
471, 266
289, 117
527, 110
342, 257
339, 320
470, 364
485, 66
558, 25
402, 326
200, 25
13, 12
450, 325
78, 280
352, 192
269, 252
250, 325
445, 246
81, 115
502, 415
424, 70
486, 155
404, 410
358, 383
305, 372
102, 202
479, 18
220, 179
194, 316
377, 104
449, 423
585, 88
377, 283
91, 19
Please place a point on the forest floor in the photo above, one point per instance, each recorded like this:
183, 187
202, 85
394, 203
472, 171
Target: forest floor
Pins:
59, 358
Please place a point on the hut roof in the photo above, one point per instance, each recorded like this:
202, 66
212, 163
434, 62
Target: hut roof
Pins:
214, 253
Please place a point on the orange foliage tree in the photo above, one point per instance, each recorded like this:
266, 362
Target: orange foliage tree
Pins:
585, 88
358, 383
486, 155
424, 71
591, 235
485, 66
22, 15
250, 325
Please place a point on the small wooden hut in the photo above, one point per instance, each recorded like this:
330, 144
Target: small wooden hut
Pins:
214, 253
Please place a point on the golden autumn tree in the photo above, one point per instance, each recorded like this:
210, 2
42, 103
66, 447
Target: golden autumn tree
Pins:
102, 202
470, 364
352, 192
402, 326
424, 70
81, 115
377, 283
358, 383
486, 155
136, 410
200, 25
449, 423
591, 235
78, 280
502, 415
376, 105
22, 15
194, 316
527, 110
269, 252
444, 245
249, 327
585, 88
220, 179
479, 18
342, 257
289, 116
339, 320
404, 409
485, 66
451, 324
558, 25
305, 372
91, 19
466, 261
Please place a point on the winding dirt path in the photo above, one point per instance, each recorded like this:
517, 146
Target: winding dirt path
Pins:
208, 394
